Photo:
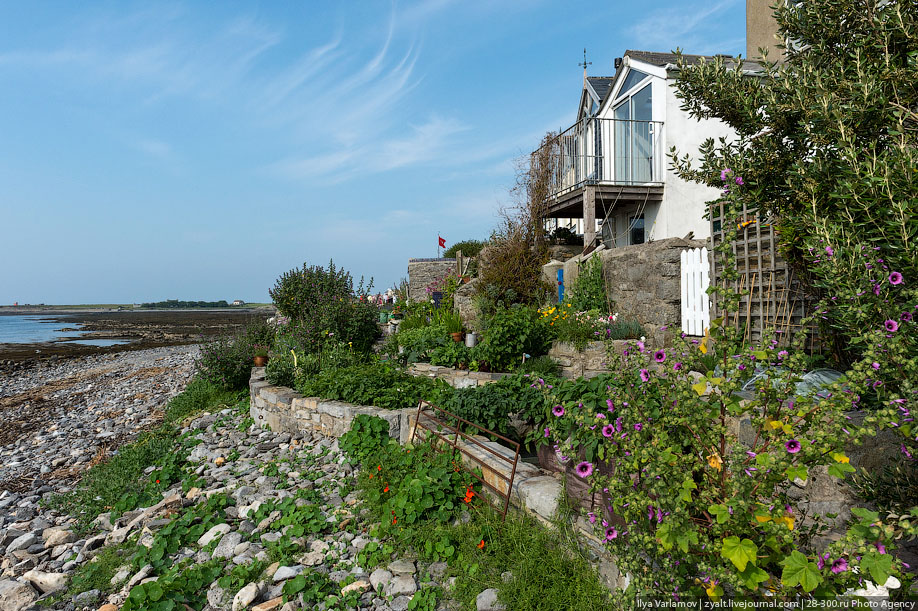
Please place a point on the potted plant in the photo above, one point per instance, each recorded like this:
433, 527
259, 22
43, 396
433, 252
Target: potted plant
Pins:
453, 325
261, 355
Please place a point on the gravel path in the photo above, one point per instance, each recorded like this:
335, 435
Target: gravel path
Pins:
58, 417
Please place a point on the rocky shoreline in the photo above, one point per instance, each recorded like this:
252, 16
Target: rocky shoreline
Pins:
246, 482
61, 414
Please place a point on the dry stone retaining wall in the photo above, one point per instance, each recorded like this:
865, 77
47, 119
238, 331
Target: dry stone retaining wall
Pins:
457, 378
586, 363
644, 283
421, 272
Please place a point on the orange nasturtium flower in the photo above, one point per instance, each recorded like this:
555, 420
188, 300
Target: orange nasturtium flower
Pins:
469, 495
386, 489
481, 544
379, 467
394, 520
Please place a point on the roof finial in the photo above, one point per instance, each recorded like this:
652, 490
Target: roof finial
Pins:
585, 64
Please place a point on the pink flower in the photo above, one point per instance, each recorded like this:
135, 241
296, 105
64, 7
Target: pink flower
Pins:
829, 251
611, 533
895, 278
839, 566
592, 517
547, 431
792, 446
645, 375
659, 356
558, 410
891, 326
608, 430
584, 469
638, 426
677, 367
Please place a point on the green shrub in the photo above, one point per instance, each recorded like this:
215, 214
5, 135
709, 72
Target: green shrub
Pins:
367, 435
453, 354
323, 303
491, 406
469, 248
541, 366
227, 360
419, 342
588, 291
281, 368
379, 385
511, 333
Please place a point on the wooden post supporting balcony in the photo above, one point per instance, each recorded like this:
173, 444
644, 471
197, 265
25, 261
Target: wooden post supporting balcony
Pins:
589, 215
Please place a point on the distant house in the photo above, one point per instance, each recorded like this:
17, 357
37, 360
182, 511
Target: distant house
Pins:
611, 168
238, 302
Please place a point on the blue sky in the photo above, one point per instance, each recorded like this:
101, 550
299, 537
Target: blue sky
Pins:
198, 150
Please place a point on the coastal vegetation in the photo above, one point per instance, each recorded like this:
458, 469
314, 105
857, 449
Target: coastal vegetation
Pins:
176, 304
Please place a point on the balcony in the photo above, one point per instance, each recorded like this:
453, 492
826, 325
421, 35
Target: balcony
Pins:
621, 158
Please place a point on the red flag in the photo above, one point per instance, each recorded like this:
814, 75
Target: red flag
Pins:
442, 242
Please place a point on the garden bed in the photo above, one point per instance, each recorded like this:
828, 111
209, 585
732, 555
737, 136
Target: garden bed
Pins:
457, 378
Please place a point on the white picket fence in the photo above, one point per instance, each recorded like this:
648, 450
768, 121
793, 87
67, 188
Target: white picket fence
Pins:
696, 306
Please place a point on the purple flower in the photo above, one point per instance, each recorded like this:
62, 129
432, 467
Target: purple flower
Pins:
638, 426
547, 431
906, 317
610, 405
558, 410
592, 517
830, 251
839, 566
724, 173
608, 430
739, 180
895, 278
677, 367
584, 469
891, 326
875, 365
782, 354
659, 356
821, 562
645, 375
792, 446
880, 547
611, 533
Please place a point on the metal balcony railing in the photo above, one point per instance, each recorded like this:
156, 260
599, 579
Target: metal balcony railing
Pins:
607, 151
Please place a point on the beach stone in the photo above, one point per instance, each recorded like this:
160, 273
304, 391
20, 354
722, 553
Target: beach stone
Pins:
402, 584
313, 558
227, 544
269, 605
23, 542
357, 586
217, 531
487, 601
46, 582
87, 597
402, 567
15, 595
379, 578
245, 596
108, 607
57, 535
286, 572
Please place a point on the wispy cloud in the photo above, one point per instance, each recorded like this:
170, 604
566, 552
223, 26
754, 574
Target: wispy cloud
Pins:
693, 27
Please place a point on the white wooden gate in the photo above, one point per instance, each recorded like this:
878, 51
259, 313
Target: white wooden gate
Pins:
696, 312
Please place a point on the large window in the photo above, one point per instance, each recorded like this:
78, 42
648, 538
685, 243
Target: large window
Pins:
634, 137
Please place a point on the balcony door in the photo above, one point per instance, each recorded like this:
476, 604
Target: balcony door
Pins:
634, 138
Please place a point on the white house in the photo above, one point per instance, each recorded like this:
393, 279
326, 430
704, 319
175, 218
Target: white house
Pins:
612, 169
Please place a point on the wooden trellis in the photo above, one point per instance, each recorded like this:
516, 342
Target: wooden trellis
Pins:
774, 299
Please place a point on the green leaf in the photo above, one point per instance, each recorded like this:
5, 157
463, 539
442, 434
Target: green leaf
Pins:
700, 387
752, 577
740, 553
839, 469
295, 585
878, 565
154, 591
720, 512
800, 571
797, 472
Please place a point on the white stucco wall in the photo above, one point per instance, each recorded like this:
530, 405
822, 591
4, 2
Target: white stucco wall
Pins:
684, 203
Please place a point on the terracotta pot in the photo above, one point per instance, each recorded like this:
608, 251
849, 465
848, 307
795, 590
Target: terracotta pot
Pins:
457, 337
261, 361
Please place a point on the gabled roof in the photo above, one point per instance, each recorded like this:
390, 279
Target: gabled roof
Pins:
601, 85
664, 59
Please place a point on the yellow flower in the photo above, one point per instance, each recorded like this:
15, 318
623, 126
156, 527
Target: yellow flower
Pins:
716, 461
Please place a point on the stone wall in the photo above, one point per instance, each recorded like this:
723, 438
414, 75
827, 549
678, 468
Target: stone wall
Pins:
457, 378
643, 282
587, 363
286, 410
464, 300
421, 272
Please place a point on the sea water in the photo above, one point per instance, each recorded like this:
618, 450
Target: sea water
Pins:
34, 329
